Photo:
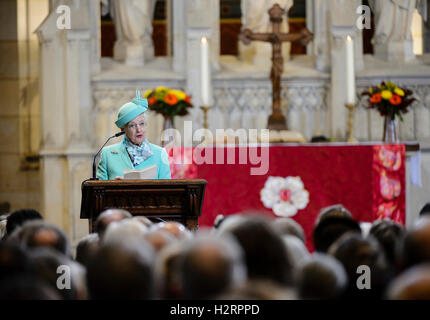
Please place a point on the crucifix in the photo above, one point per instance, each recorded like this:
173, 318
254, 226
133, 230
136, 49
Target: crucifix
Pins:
277, 120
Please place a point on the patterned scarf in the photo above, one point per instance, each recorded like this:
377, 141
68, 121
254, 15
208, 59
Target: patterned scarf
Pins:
138, 154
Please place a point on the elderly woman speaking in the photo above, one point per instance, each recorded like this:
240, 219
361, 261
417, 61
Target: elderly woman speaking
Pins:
134, 151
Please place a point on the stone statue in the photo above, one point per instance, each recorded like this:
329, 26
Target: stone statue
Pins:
133, 27
255, 17
393, 22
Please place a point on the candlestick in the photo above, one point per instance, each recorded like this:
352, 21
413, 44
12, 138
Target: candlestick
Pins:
351, 109
204, 72
350, 72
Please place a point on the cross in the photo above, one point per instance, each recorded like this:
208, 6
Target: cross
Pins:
277, 120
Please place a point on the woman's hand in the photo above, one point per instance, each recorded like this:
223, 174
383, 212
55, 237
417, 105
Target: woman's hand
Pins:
119, 178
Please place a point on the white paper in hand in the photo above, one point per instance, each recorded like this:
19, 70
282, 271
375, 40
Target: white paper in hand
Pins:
147, 173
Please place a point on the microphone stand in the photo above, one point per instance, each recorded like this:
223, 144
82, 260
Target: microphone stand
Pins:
95, 157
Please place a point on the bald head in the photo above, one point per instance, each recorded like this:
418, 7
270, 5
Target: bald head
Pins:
177, 229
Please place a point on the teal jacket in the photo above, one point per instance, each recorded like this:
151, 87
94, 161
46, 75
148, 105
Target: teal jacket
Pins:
114, 159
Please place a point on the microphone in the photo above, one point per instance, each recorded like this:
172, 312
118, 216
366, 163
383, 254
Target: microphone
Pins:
95, 157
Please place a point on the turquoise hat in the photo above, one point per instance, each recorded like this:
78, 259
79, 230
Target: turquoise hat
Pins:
131, 110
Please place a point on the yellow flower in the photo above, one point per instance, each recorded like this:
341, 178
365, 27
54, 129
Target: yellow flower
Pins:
371, 90
147, 93
179, 94
399, 92
386, 95
160, 89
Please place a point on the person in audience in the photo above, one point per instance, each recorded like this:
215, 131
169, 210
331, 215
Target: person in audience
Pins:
168, 270
27, 286
288, 226
416, 246
144, 220
125, 231
336, 210
134, 151
322, 277
42, 234
122, 271
425, 210
210, 266
296, 251
159, 238
108, 216
18, 217
413, 284
390, 236
178, 230
50, 264
14, 260
365, 264
265, 253
86, 248
331, 228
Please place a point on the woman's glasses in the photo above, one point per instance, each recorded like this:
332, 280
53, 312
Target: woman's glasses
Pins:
134, 126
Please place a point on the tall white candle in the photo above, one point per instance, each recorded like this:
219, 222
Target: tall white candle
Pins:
204, 71
350, 72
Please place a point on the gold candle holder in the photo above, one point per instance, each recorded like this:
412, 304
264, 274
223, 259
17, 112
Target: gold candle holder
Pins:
205, 115
205, 110
351, 109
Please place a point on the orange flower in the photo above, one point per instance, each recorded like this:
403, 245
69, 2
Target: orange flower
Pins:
187, 99
376, 98
171, 99
152, 100
395, 100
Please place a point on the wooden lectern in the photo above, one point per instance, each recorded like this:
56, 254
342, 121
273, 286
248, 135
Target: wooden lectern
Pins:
158, 200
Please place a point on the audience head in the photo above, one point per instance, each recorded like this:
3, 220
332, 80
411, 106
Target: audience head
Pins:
27, 286
144, 220
331, 228
359, 255
50, 265
168, 270
296, 251
159, 239
413, 284
211, 266
390, 236
336, 210
18, 217
87, 247
416, 245
287, 226
425, 210
178, 230
108, 216
265, 252
125, 231
122, 271
42, 234
321, 277
14, 260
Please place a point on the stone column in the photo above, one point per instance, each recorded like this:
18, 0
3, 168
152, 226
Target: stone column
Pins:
67, 134
342, 23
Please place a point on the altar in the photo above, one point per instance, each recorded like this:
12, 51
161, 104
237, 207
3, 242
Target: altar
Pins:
368, 179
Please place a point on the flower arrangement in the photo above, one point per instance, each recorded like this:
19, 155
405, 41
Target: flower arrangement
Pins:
168, 102
389, 99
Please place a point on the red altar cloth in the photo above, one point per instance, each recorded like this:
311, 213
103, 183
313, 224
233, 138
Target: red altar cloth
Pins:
369, 180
